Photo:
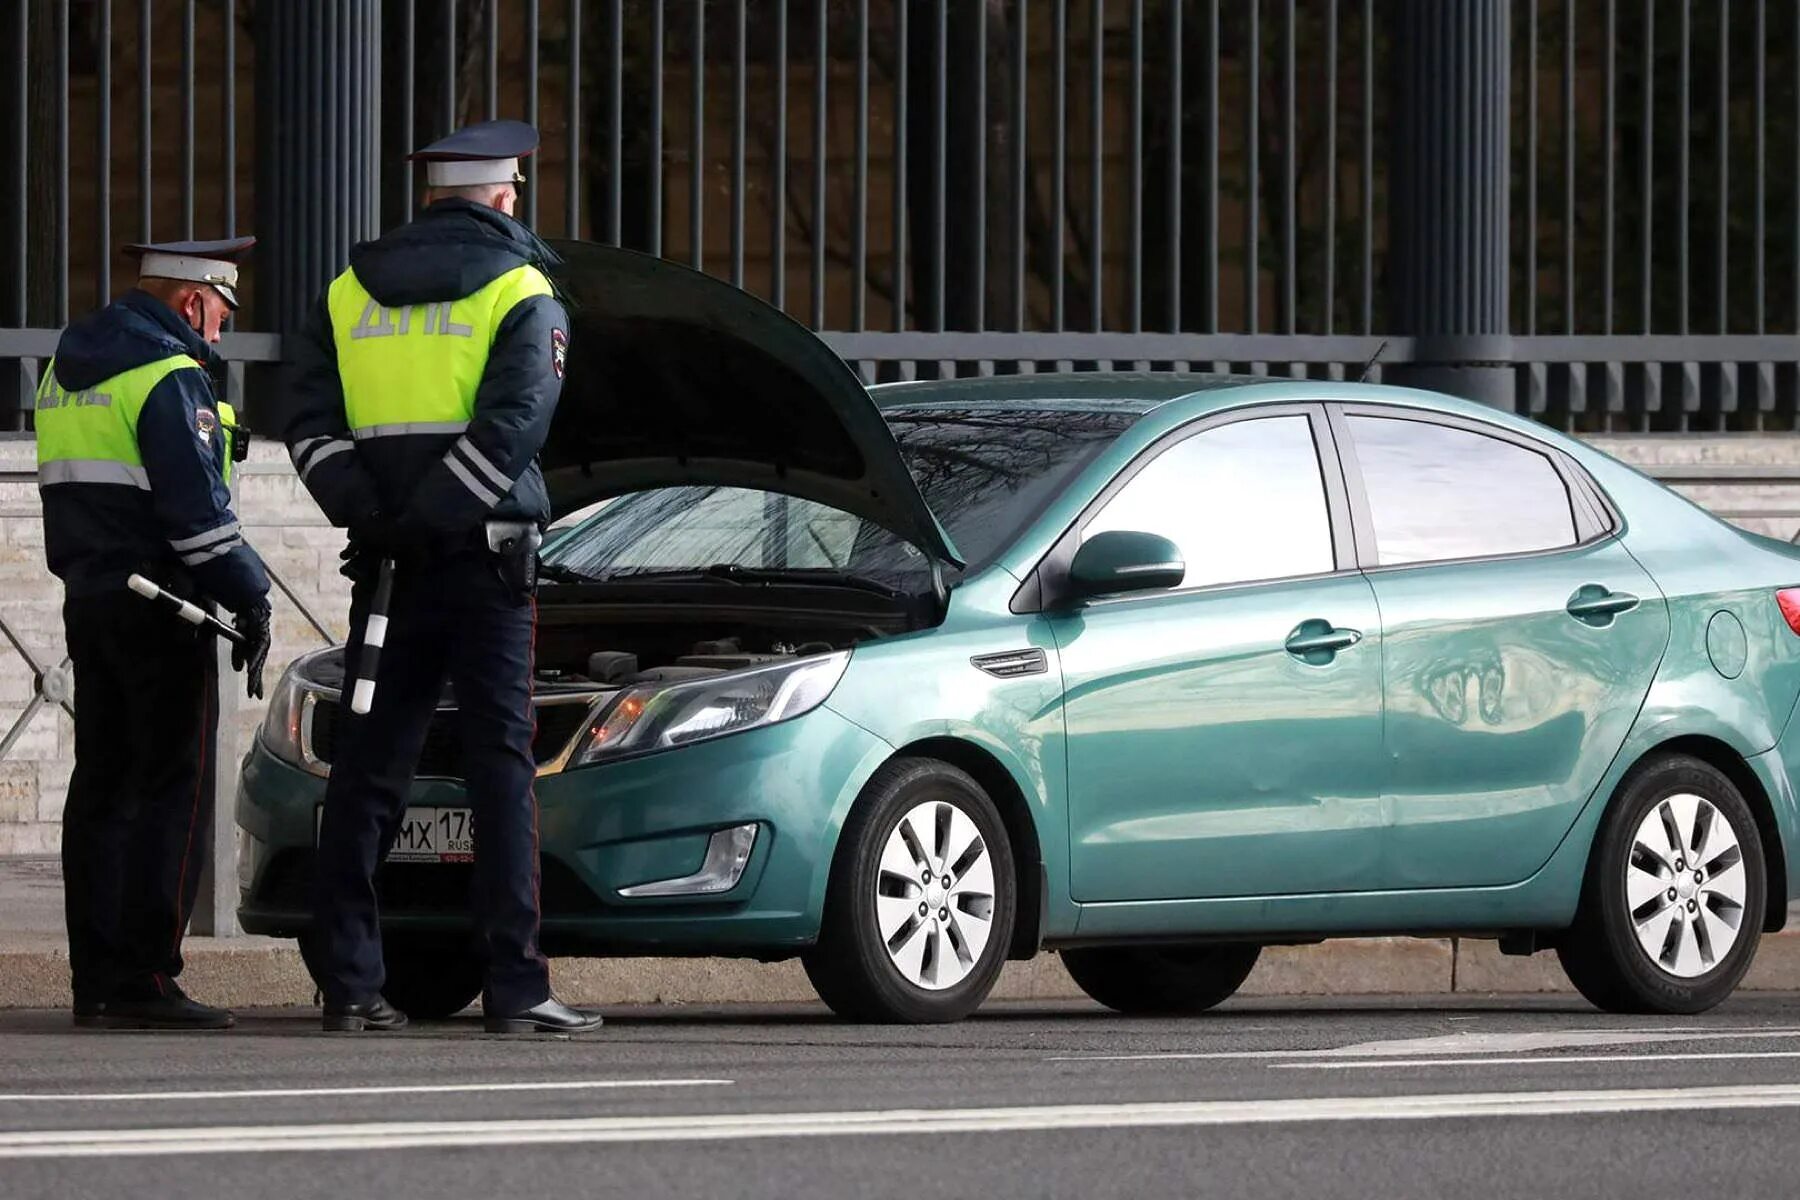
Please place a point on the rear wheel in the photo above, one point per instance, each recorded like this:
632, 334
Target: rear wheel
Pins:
1161, 980
1672, 907
430, 979
919, 912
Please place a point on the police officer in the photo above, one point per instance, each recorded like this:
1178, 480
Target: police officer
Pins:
425, 383
135, 448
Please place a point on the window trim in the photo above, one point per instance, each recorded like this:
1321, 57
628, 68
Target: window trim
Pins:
1046, 580
1601, 522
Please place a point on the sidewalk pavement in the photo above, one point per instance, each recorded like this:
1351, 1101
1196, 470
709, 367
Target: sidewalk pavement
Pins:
247, 972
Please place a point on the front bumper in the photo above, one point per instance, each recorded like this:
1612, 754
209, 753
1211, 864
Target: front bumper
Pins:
603, 829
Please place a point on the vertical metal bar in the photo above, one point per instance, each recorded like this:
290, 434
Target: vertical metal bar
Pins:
1531, 166
1019, 157
940, 143
21, 167
978, 202
1368, 167
1331, 158
62, 162
409, 90
1289, 189
1568, 140
103, 147
531, 101
656, 127
143, 130
821, 72
1646, 179
737, 147
615, 163
1610, 124
1059, 89
451, 64
1723, 265
1212, 175
1681, 173
491, 21
1135, 283
859, 205
187, 110
1758, 219
901, 71
697, 142
778, 165
228, 127
1252, 163
572, 197
1097, 180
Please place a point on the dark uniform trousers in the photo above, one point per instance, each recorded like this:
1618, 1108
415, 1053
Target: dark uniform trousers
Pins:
141, 797
451, 618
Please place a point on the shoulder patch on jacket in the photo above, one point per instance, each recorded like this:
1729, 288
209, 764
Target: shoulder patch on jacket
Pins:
205, 421
559, 351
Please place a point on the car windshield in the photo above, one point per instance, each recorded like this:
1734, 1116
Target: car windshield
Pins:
986, 474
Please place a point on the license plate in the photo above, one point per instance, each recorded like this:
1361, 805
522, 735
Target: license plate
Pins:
440, 835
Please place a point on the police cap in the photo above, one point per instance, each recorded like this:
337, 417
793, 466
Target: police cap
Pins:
199, 262
487, 152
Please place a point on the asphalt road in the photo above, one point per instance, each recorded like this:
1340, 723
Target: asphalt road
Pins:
1506, 1097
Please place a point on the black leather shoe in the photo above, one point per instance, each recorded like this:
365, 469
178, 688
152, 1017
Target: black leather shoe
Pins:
552, 1016
171, 1009
376, 1015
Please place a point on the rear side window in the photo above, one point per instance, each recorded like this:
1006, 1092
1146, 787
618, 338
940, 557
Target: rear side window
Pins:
1440, 493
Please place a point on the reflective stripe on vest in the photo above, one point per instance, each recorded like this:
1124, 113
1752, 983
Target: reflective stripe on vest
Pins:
227, 438
415, 369
90, 436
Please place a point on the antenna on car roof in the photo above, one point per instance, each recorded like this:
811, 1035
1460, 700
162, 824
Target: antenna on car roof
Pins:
1363, 375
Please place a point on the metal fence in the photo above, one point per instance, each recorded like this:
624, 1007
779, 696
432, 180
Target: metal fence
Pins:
957, 186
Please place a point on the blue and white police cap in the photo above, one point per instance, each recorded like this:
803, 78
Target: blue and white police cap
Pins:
199, 262
488, 152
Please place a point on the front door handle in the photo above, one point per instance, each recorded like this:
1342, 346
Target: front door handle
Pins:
1596, 604
1318, 642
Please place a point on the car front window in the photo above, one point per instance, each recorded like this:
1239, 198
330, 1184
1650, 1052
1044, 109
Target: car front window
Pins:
986, 475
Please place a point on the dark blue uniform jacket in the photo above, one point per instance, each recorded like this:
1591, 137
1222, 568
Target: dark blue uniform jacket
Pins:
181, 533
453, 249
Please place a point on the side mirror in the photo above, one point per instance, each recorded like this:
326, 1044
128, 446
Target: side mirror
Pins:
1123, 560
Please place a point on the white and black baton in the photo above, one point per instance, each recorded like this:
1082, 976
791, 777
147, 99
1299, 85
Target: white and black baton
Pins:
193, 614
374, 633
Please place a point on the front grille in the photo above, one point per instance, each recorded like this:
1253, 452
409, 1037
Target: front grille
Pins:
418, 888
442, 755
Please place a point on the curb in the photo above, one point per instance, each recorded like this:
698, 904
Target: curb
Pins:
252, 972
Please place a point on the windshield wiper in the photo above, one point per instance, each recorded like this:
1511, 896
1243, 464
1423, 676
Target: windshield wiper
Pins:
565, 574
816, 576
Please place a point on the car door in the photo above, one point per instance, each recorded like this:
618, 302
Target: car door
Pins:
1224, 738
1519, 639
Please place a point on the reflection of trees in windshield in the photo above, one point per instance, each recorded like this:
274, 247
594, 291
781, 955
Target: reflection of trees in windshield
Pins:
984, 474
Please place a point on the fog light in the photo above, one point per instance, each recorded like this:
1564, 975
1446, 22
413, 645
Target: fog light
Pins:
246, 860
727, 854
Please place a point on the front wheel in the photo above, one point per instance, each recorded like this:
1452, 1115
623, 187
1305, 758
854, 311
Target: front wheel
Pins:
1672, 907
919, 911
1161, 980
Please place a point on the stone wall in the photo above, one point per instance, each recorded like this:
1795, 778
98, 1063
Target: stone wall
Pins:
279, 519
282, 522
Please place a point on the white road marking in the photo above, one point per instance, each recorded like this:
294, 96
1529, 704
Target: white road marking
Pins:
395, 1135
1463, 1043
1396, 1063
432, 1089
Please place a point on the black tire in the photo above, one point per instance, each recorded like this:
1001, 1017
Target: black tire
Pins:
430, 979
850, 967
1161, 980
1601, 953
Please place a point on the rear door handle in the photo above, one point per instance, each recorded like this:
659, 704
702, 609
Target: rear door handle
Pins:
1598, 605
1318, 642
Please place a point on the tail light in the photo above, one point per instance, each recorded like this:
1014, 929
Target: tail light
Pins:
1789, 600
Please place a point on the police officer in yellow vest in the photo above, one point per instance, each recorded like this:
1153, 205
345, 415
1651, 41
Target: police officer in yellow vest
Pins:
425, 383
135, 448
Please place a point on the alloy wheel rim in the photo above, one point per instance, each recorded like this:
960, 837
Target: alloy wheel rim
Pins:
934, 895
1685, 885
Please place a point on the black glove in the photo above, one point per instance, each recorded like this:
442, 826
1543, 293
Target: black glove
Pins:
252, 652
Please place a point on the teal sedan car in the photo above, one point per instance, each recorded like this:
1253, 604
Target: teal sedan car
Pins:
1150, 670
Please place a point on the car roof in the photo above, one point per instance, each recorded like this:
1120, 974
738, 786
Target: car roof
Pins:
1137, 392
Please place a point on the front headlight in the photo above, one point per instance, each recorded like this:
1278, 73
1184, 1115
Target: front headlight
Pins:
643, 719
284, 724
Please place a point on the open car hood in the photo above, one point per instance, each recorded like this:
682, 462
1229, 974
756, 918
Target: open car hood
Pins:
675, 377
